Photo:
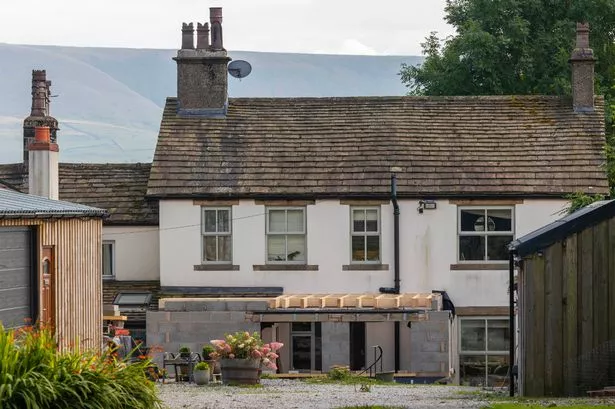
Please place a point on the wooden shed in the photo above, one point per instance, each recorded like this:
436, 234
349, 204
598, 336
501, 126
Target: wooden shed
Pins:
50, 266
566, 304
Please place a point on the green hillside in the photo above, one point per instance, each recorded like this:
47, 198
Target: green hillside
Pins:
109, 100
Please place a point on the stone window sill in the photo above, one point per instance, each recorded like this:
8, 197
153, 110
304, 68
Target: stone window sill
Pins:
479, 266
365, 267
284, 267
216, 267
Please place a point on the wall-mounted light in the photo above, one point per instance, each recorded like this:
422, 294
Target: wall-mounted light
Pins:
426, 205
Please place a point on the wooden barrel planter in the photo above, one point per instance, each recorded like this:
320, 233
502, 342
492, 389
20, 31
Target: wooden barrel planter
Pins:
240, 371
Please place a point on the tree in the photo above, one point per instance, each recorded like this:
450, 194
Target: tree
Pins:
516, 47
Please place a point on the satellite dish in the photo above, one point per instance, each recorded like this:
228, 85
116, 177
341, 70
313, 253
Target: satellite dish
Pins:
239, 68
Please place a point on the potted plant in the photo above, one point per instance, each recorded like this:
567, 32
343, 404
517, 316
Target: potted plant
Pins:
241, 356
201, 373
214, 365
184, 352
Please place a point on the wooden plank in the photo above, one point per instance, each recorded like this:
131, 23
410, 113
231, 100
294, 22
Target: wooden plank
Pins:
585, 296
569, 316
526, 311
366, 301
534, 383
600, 287
482, 311
611, 291
553, 320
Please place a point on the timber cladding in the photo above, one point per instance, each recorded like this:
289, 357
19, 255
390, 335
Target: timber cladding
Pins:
567, 314
77, 243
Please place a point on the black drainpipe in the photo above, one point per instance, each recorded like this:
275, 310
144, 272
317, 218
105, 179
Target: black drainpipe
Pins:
511, 312
395, 289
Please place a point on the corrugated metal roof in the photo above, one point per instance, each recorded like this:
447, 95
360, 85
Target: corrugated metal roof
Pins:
15, 204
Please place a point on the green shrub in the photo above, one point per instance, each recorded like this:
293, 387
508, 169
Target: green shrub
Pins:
34, 374
207, 349
339, 373
201, 366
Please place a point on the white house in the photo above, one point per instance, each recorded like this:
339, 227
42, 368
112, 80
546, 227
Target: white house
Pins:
294, 197
280, 215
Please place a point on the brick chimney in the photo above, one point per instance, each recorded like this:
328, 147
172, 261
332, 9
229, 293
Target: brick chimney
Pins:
202, 78
582, 61
43, 179
39, 114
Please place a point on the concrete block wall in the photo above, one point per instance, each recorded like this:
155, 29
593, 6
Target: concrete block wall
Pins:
426, 348
194, 323
335, 344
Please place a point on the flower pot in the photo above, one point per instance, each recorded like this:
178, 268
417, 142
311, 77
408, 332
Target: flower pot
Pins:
201, 377
240, 371
212, 366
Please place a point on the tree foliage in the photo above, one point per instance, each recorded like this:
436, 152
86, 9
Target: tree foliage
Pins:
513, 47
517, 47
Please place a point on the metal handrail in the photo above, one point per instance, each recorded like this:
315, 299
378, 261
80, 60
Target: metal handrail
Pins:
377, 359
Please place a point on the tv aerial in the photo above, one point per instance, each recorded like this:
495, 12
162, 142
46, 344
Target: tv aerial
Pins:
239, 68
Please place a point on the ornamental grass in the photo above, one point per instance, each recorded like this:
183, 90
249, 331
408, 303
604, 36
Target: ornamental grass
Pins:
35, 374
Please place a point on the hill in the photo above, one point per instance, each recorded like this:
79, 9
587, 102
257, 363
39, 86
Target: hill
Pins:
109, 100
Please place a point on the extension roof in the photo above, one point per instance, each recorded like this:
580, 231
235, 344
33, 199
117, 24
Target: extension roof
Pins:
117, 187
15, 205
348, 147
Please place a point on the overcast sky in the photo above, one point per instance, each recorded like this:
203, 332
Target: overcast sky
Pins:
389, 27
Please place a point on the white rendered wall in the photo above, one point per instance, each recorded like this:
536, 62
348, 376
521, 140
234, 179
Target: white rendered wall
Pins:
137, 252
428, 247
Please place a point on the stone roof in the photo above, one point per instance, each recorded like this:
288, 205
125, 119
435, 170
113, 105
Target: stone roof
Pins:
117, 187
15, 204
348, 147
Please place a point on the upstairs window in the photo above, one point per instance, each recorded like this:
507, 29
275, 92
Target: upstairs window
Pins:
484, 233
365, 235
217, 237
286, 241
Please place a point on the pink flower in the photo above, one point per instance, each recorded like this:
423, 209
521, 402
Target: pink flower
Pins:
276, 345
256, 354
231, 356
266, 349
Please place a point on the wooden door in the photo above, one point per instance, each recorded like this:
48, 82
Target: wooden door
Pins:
48, 287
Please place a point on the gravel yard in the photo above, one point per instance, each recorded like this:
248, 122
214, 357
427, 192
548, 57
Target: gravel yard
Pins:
282, 393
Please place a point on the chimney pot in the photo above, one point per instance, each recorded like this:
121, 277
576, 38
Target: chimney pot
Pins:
202, 36
582, 61
187, 36
582, 35
215, 20
41, 134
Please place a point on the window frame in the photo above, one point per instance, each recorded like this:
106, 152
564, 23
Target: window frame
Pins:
366, 233
111, 276
286, 233
485, 233
216, 234
485, 353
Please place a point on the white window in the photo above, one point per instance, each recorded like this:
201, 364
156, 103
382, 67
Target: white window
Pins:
286, 235
217, 237
108, 259
365, 235
484, 233
483, 351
